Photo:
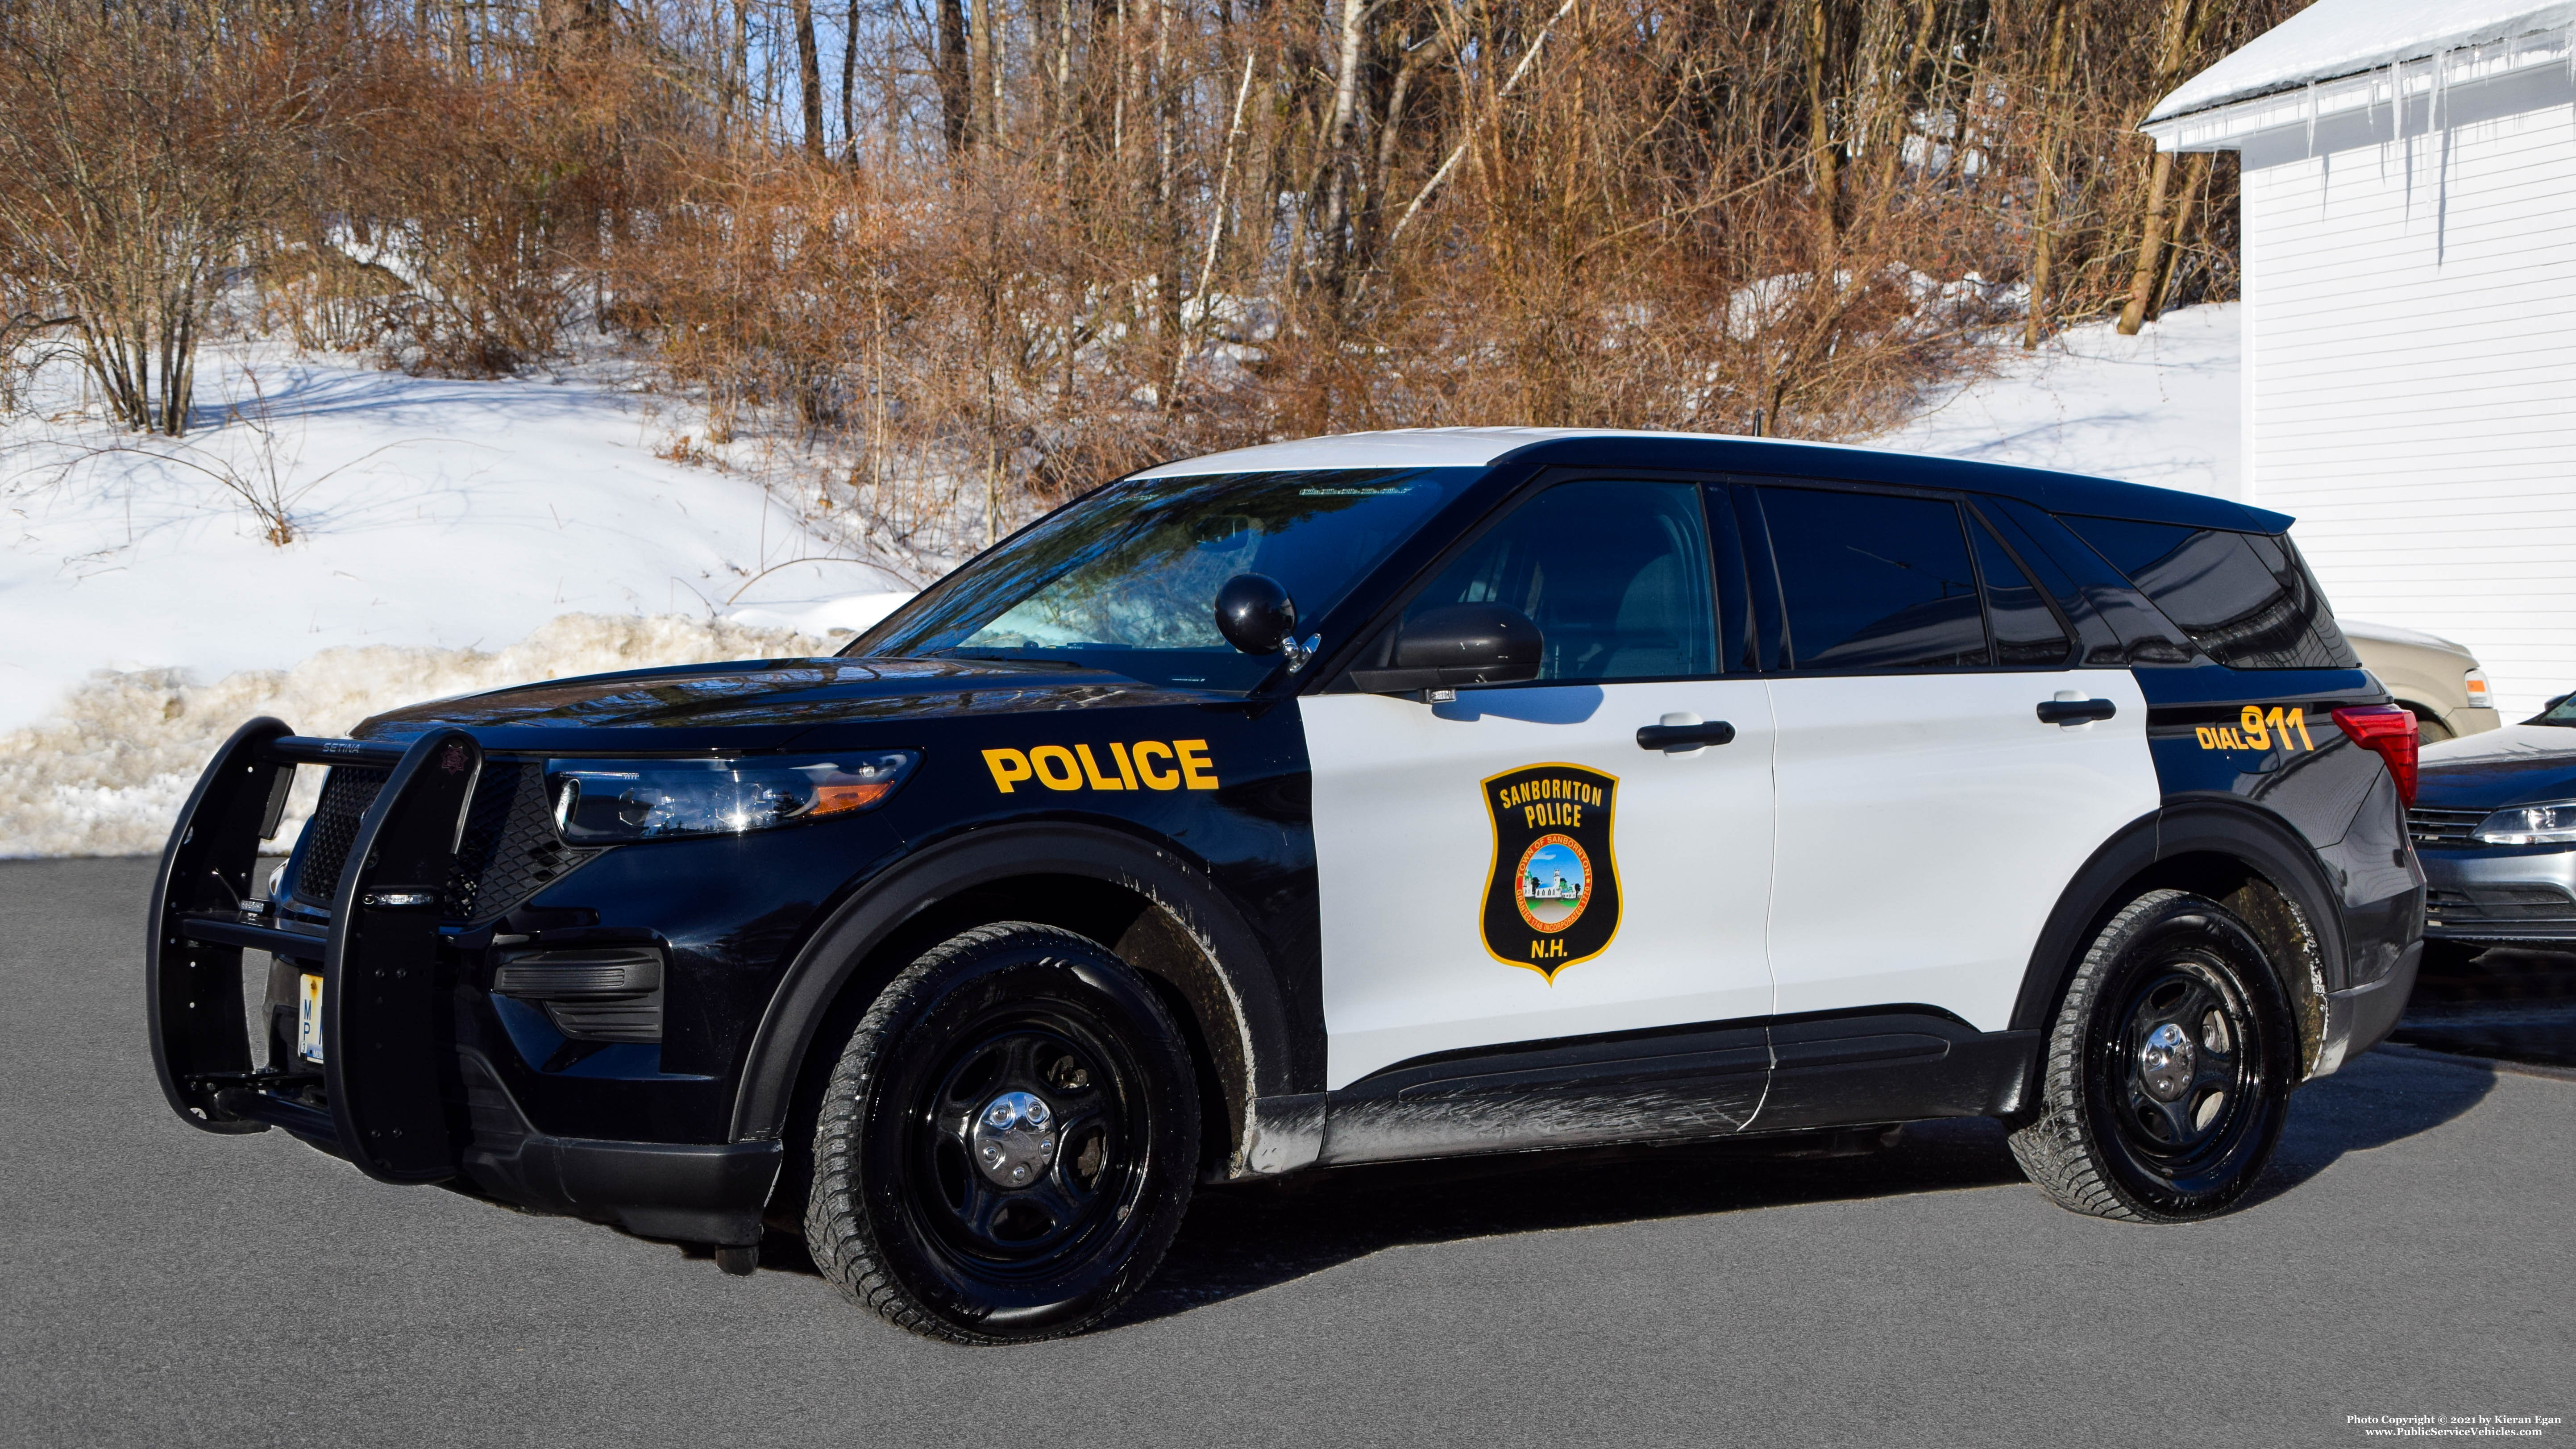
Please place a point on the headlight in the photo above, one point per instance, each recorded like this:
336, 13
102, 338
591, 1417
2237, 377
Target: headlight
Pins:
2529, 825
601, 801
2475, 683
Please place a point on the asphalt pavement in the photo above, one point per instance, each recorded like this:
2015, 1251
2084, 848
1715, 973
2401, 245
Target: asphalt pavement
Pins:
2411, 1254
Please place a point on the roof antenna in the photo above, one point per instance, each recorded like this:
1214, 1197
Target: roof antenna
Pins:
1757, 424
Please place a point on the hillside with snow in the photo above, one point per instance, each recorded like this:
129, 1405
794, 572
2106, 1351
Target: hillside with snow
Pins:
449, 536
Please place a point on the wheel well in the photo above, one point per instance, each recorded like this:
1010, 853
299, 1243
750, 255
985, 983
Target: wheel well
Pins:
2272, 914
1125, 921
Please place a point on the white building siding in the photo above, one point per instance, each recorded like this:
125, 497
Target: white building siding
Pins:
2410, 379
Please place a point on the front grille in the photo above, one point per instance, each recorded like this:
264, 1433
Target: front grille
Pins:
2429, 826
2500, 906
346, 793
509, 852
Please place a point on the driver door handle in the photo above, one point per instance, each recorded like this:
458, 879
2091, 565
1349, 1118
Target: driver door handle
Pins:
2075, 711
1675, 738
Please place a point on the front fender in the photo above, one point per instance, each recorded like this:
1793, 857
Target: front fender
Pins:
876, 911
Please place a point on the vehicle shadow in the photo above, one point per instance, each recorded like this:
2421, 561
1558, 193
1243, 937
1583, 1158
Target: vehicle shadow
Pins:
1242, 1238
1246, 1237
2379, 1098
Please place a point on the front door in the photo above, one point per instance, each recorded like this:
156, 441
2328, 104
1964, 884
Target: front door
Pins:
1513, 866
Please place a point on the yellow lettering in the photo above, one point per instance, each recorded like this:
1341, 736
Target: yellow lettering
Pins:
1155, 779
1574, 817
2299, 722
2252, 720
1126, 770
2208, 737
2280, 729
1008, 766
1547, 948
1065, 776
1091, 770
1195, 765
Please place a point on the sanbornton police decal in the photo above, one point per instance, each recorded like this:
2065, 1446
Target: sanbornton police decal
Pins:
1552, 897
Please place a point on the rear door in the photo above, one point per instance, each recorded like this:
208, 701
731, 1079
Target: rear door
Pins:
1512, 866
1928, 818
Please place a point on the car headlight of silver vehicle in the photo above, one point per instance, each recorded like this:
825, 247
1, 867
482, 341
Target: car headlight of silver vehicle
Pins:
603, 802
2551, 824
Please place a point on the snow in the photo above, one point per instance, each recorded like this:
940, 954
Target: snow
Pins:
2159, 408
429, 513
106, 773
2346, 37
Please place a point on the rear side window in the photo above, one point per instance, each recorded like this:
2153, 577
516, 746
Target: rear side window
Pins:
1872, 581
2245, 599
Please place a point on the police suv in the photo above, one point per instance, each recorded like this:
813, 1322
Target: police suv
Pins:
1366, 798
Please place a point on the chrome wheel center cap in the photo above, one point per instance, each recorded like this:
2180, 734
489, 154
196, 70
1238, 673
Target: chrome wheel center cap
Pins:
1014, 1139
2165, 1063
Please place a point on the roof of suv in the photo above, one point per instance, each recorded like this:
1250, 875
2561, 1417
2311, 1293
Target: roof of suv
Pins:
1615, 448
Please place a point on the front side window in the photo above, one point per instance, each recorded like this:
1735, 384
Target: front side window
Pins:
1615, 574
1126, 579
1874, 581
2245, 599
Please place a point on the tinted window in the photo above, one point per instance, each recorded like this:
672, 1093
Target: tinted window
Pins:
2245, 599
2026, 629
1126, 579
1615, 575
1874, 582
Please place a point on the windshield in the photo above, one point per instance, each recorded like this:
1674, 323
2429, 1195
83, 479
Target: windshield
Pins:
2559, 711
1126, 579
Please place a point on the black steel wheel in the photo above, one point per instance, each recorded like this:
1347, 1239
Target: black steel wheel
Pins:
2168, 1068
1008, 1142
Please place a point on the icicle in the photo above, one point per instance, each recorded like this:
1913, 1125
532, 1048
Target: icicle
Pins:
2312, 118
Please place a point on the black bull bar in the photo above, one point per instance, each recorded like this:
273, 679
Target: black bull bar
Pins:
381, 1056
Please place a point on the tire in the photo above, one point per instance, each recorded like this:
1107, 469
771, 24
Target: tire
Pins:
1044, 1057
2168, 1068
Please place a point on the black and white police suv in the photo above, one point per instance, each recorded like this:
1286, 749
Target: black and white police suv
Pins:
1367, 798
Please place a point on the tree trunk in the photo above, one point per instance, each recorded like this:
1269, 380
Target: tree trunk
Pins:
2172, 42
849, 85
809, 76
1332, 236
2192, 196
1824, 156
1901, 106
956, 83
2151, 238
2043, 246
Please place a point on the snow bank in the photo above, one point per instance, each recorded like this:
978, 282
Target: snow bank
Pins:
432, 513
109, 773
2161, 407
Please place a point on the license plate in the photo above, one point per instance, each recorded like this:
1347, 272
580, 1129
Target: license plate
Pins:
308, 1020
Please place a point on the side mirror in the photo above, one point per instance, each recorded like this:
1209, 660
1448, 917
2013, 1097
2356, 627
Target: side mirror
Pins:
1255, 614
1456, 645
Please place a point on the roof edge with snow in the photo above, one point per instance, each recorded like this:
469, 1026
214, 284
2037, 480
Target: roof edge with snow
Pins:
2381, 46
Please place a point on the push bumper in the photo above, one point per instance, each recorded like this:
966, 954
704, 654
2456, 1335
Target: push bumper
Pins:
380, 1098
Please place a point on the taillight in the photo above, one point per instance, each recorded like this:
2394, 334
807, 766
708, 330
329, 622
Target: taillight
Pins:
2388, 732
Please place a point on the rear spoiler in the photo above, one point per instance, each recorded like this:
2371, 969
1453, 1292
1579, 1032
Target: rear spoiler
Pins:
380, 1008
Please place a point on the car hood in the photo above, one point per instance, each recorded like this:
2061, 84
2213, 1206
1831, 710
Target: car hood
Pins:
761, 704
2515, 765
